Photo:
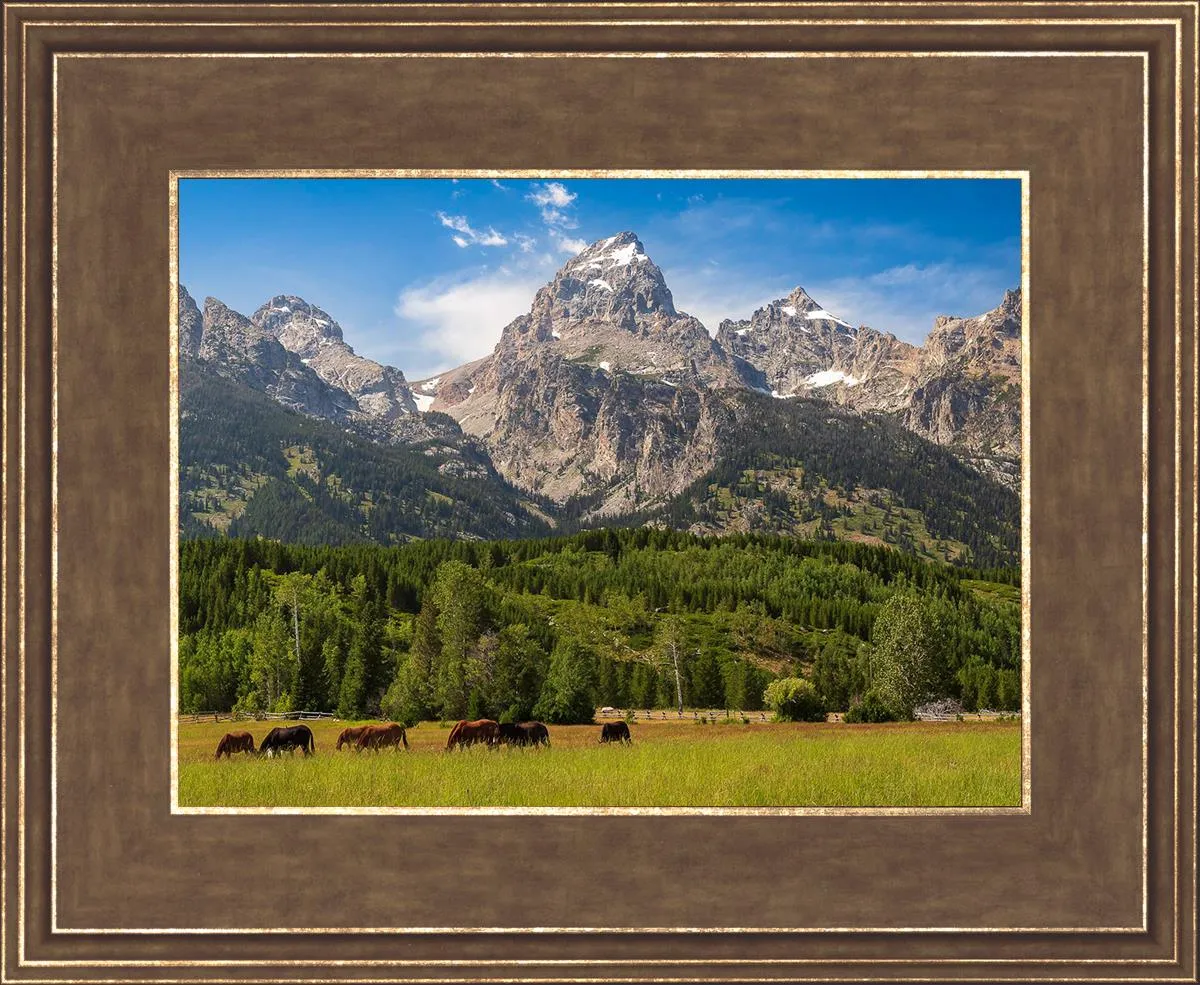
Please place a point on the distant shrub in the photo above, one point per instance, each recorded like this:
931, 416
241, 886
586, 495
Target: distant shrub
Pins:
871, 707
794, 699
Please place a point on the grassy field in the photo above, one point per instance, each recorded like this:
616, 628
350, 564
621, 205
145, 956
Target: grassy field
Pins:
669, 764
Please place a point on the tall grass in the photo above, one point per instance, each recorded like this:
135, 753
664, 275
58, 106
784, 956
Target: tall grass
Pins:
948, 765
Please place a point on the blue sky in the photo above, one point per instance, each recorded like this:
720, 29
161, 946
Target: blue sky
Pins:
423, 274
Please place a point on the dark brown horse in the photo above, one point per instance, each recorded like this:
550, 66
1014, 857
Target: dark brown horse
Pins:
382, 737
291, 738
235, 742
349, 736
614, 732
525, 734
468, 733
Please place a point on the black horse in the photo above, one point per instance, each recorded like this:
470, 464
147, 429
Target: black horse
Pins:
525, 734
536, 734
291, 738
614, 732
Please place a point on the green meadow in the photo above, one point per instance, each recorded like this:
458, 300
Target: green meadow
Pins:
669, 764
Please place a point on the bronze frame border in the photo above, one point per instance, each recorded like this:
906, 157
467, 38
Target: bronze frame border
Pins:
1178, 628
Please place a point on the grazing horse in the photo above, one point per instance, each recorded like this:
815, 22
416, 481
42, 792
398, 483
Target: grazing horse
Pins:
536, 734
468, 733
508, 734
291, 738
382, 737
525, 734
235, 742
349, 736
614, 732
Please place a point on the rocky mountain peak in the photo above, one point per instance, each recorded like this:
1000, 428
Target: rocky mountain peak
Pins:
1004, 319
609, 307
613, 280
191, 323
219, 320
303, 328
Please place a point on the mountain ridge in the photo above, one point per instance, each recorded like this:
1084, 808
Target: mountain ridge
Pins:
605, 394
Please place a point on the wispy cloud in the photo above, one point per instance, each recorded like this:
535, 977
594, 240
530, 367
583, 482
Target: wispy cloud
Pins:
454, 320
905, 299
570, 246
555, 203
466, 235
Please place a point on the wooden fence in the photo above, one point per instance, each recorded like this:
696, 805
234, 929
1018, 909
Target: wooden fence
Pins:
604, 714
258, 716
689, 715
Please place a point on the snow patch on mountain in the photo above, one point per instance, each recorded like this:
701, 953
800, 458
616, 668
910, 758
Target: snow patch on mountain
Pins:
820, 314
830, 376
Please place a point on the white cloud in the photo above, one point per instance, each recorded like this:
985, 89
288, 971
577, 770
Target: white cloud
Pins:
456, 320
568, 245
552, 193
553, 200
527, 244
469, 236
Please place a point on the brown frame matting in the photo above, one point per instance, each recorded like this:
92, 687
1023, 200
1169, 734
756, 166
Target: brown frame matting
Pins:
102, 881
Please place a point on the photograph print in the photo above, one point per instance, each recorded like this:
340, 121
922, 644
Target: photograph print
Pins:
599, 493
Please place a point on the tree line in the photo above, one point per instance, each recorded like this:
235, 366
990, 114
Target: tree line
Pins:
552, 628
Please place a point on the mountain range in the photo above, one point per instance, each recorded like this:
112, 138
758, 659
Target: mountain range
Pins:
605, 405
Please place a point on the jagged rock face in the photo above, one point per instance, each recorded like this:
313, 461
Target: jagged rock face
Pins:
604, 385
605, 389
989, 342
368, 399
381, 393
610, 307
191, 324
234, 347
968, 387
961, 389
562, 428
793, 347
300, 327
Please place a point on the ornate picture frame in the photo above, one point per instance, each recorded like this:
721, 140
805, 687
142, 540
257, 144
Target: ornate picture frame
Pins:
1094, 879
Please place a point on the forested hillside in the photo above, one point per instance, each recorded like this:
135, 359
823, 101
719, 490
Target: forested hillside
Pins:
555, 627
799, 467
810, 469
250, 467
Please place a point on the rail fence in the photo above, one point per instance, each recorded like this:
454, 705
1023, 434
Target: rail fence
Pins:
258, 716
689, 714
604, 714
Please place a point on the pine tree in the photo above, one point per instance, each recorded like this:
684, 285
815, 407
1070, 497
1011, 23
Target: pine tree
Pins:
566, 696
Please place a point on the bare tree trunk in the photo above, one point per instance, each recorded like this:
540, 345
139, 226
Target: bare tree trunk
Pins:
296, 623
678, 683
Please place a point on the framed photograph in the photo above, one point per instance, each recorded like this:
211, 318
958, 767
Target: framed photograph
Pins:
599, 492
601, 517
